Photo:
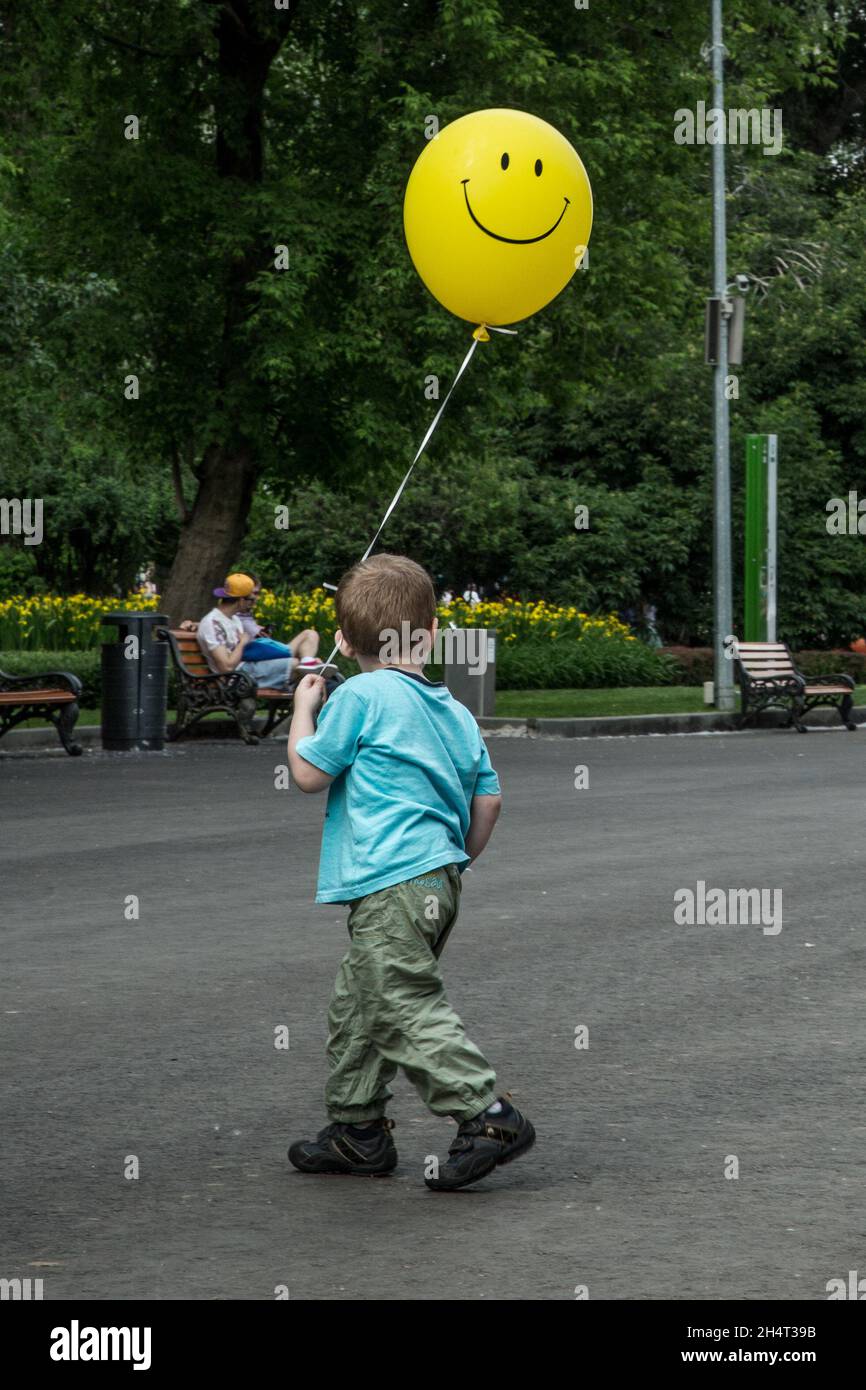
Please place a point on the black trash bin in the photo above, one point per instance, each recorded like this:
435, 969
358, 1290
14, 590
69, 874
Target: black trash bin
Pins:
134, 683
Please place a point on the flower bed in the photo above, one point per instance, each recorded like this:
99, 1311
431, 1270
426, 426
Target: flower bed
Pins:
540, 645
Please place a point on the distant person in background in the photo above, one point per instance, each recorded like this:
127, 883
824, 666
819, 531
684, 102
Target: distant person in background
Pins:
446, 597
146, 584
228, 646
471, 595
649, 622
302, 648
220, 633
642, 619
270, 663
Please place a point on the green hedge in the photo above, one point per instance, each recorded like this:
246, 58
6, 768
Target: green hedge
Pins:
85, 665
592, 663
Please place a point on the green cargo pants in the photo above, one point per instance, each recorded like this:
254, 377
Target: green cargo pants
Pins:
389, 1009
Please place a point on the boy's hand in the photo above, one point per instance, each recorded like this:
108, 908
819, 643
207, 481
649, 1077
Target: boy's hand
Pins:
310, 693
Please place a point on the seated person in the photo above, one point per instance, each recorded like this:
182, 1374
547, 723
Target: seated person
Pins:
230, 645
302, 648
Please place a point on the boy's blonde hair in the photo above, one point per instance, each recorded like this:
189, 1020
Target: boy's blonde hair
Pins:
379, 595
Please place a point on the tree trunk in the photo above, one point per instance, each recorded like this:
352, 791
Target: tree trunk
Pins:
250, 35
210, 540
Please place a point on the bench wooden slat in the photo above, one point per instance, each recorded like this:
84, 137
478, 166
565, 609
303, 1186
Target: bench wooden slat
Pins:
764, 660
769, 670
765, 656
36, 697
190, 653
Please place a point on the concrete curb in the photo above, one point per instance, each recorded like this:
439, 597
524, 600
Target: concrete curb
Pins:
623, 726
617, 726
89, 736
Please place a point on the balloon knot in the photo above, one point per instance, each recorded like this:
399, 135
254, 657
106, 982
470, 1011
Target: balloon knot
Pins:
481, 334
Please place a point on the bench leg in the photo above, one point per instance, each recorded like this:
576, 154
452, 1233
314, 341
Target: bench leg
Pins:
798, 709
844, 709
64, 722
277, 714
180, 719
244, 713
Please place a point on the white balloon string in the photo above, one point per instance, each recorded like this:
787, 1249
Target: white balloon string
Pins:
423, 445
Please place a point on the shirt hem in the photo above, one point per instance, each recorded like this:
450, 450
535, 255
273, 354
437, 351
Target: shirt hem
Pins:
349, 895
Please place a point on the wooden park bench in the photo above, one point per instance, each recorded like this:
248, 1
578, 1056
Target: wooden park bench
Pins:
770, 680
52, 696
201, 691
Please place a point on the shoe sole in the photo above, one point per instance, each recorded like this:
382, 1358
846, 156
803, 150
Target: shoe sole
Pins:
329, 1168
526, 1143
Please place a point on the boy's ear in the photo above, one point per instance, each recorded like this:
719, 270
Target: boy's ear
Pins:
346, 648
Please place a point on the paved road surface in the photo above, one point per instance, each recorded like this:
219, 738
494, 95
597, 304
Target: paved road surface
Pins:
155, 1037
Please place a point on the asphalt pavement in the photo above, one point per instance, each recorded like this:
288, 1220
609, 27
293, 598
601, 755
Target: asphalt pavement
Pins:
705, 1139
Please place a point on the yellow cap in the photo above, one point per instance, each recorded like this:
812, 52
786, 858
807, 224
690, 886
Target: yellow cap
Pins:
236, 586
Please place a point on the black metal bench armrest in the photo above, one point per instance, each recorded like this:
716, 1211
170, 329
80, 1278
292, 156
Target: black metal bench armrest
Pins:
44, 680
780, 684
236, 684
240, 683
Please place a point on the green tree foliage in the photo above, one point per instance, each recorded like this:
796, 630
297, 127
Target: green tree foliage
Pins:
306, 386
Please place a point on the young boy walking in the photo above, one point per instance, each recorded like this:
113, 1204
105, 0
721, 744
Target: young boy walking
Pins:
413, 799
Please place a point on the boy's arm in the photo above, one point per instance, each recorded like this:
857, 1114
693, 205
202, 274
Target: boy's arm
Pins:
308, 696
483, 815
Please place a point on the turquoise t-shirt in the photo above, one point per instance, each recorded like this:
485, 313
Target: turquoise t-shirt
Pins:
407, 759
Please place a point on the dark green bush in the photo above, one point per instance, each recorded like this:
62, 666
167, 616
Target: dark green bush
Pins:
87, 666
594, 662
693, 665
832, 663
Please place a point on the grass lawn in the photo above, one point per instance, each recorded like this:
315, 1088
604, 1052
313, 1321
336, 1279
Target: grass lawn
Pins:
648, 699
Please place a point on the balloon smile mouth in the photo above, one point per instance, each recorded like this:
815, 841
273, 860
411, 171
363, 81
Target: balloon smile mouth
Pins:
513, 240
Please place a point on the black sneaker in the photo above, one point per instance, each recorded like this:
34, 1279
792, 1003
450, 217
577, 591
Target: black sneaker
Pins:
481, 1144
340, 1149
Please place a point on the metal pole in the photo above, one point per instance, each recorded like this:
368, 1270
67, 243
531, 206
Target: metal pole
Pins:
755, 557
723, 665
772, 477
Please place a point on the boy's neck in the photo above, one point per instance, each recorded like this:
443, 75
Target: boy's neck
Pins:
371, 663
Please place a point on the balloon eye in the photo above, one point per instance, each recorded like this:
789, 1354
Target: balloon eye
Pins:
505, 161
538, 168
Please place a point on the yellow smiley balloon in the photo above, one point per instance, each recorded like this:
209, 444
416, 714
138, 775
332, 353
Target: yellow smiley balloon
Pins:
497, 215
